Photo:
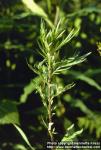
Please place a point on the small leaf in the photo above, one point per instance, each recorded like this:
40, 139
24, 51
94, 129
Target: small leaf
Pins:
61, 89
44, 122
71, 127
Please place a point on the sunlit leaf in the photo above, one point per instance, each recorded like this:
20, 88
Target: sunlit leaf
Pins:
8, 112
19, 147
28, 89
37, 10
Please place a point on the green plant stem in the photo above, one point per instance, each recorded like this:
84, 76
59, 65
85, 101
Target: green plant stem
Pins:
50, 99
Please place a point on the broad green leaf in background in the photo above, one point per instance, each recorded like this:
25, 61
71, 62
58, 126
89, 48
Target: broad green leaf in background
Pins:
37, 10
23, 136
28, 89
8, 112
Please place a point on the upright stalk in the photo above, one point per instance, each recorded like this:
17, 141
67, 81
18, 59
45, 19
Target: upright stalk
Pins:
50, 99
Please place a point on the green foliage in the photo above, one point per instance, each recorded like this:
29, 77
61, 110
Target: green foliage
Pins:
92, 123
36, 10
28, 89
19, 147
19, 31
50, 44
85, 11
8, 112
99, 47
71, 137
85, 78
23, 136
87, 121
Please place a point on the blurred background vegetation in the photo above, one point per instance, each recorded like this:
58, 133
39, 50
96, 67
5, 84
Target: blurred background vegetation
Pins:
19, 31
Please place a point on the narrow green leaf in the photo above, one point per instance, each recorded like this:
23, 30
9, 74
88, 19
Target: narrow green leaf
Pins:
90, 81
71, 127
61, 90
67, 39
33, 69
82, 107
23, 136
85, 78
68, 63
